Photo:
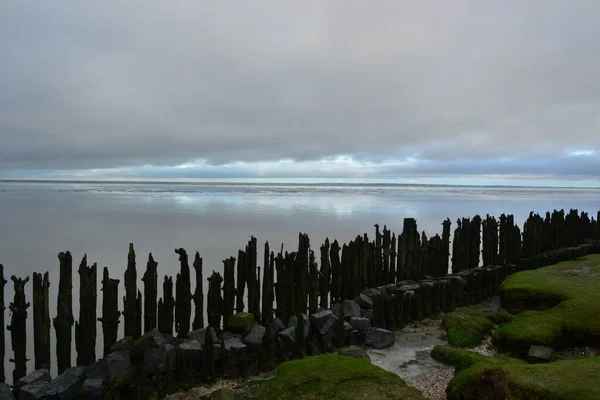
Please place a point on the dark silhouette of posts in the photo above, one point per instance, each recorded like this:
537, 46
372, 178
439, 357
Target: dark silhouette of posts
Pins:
336, 272
63, 322
242, 274
165, 308
183, 302
150, 280
85, 329
198, 294
110, 310
446, 225
2, 308
325, 276
267, 288
490, 241
17, 328
313, 294
228, 290
252, 279
214, 306
130, 301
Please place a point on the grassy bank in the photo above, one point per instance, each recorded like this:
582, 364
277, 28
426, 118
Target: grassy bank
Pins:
468, 327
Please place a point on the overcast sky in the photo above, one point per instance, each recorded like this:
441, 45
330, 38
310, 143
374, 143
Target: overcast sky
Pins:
394, 89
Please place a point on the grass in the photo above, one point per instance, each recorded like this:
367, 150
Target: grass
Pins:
572, 287
468, 327
478, 375
334, 377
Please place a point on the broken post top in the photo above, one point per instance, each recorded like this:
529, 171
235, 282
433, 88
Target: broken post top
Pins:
131, 254
182, 254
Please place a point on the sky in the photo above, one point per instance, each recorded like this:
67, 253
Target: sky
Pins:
401, 91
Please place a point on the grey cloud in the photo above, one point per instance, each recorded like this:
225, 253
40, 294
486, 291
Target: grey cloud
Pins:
120, 84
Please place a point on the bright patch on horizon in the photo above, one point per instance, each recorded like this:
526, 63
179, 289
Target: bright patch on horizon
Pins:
579, 153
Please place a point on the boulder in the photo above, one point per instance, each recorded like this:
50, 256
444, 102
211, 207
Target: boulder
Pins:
323, 321
293, 322
32, 391
288, 336
350, 308
96, 370
354, 351
124, 344
5, 392
347, 327
241, 323
223, 394
150, 340
367, 314
91, 389
199, 335
254, 339
360, 324
235, 344
231, 335
539, 354
118, 369
277, 326
379, 338
336, 308
364, 301
155, 360
190, 348
64, 386
372, 292
40, 375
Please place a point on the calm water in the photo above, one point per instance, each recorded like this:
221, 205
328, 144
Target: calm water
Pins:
38, 220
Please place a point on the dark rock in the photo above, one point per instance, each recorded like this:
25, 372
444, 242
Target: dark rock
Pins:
388, 289
322, 321
40, 375
172, 340
64, 386
288, 335
5, 392
155, 360
241, 323
231, 335
354, 351
171, 356
191, 348
347, 326
118, 368
336, 308
32, 391
364, 301
124, 344
96, 371
254, 339
277, 326
92, 389
223, 394
235, 344
350, 308
360, 324
379, 338
372, 292
539, 354
150, 340
293, 322
199, 335
368, 314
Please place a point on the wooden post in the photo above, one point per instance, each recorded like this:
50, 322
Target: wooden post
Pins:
228, 290
325, 276
458, 245
63, 322
150, 280
301, 266
130, 300
2, 308
85, 328
183, 302
386, 251
198, 294
280, 287
17, 328
110, 310
267, 289
242, 274
165, 308
41, 321
253, 287
313, 294
475, 241
447, 224
215, 301
336, 272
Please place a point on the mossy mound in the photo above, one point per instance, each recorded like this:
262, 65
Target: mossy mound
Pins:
334, 377
479, 376
572, 288
468, 327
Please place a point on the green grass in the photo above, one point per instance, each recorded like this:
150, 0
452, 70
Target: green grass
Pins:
574, 318
565, 380
334, 377
468, 327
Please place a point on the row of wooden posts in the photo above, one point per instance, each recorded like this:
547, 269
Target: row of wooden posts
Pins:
292, 282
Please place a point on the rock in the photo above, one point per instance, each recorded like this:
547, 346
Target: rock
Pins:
379, 338
368, 314
254, 339
172, 340
539, 354
235, 344
288, 335
118, 369
388, 289
155, 360
191, 348
323, 321
96, 371
336, 308
347, 326
354, 351
293, 322
5, 392
350, 308
360, 324
40, 375
230, 335
371, 292
277, 326
223, 394
364, 301
123, 344
241, 323
32, 391
150, 340
199, 335
171, 359
92, 389
64, 386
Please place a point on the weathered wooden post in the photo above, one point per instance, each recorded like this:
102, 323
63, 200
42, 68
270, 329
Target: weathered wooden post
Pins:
251, 271
393, 254
110, 310
280, 287
17, 328
130, 299
63, 322
458, 249
475, 241
336, 272
313, 294
165, 308
209, 352
198, 294
183, 301
301, 266
267, 289
214, 306
490, 241
41, 320
446, 226
150, 280
2, 308
325, 276
85, 328
228, 290
242, 276
386, 251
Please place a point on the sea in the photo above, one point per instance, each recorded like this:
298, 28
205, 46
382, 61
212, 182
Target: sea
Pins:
217, 218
